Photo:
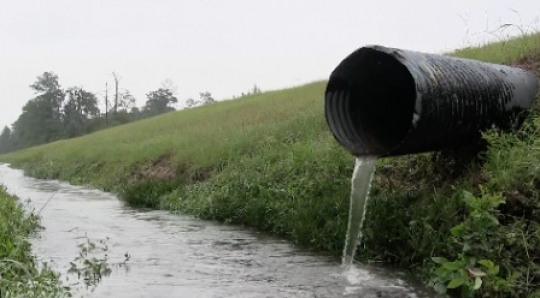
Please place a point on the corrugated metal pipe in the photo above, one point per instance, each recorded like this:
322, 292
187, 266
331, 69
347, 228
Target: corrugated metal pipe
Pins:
387, 102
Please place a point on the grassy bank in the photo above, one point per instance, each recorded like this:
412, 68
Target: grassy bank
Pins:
20, 275
269, 161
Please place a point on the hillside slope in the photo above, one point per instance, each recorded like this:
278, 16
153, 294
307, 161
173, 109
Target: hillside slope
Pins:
269, 161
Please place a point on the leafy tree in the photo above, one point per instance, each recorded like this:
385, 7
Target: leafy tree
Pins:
49, 90
5, 140
254, 90
78, 110
37, 124
206, 98
122, 117
190, 102
135, 111
41, 118
55, 113
159, 102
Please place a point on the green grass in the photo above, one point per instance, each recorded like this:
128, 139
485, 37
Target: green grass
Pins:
269, 161
20, 274
505, 52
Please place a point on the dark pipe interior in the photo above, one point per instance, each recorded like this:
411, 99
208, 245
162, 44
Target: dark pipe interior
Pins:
379, 105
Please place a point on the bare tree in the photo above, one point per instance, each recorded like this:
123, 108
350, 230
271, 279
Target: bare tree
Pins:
106, 103
169, 85
116, 87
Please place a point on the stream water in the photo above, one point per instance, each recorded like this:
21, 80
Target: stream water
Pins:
179, 256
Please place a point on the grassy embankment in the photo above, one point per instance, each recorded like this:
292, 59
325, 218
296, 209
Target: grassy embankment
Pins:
20, 275
269, 161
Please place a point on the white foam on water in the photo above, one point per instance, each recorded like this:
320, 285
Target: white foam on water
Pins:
356, 276
362, 281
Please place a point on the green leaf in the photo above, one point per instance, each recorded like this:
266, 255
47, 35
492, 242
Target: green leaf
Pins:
486, 263
441, 271
453, 265
497, 200
456, 282
457, 230
477, 283
493, 219
493, 271
468, 198
439, 260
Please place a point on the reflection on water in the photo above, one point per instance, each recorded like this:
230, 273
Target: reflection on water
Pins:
178, 256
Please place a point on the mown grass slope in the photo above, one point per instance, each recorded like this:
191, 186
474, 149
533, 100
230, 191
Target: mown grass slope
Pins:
270, 162
192, 142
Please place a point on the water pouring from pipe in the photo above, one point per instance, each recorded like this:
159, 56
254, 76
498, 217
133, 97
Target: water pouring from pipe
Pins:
364, 169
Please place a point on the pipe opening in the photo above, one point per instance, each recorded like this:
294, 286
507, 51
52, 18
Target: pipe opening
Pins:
370, 100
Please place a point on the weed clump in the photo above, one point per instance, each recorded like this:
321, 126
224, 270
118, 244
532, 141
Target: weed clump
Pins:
475, 234
20, 273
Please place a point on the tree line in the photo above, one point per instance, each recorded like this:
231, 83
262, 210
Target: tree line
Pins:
56, 113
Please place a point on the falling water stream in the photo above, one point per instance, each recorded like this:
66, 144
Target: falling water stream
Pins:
364, 168
174, 255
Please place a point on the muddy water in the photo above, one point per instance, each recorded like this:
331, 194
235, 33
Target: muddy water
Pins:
178, 256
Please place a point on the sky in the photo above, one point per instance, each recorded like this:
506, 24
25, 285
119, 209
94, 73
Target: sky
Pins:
225, 47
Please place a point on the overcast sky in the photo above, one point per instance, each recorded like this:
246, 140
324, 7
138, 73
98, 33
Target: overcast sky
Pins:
223, 47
